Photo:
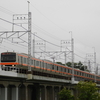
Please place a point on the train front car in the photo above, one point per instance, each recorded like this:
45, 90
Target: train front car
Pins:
8, 59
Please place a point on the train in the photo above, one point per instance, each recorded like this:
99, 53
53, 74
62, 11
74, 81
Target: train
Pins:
46, 68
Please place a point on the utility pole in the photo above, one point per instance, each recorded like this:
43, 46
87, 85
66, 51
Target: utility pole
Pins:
72, 60
34, 44
72, 50
89, 66
29, 39
95, 64
65, 58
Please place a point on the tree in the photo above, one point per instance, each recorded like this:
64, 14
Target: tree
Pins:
60, 63
69, 64
78, 65
65, 94
87, 91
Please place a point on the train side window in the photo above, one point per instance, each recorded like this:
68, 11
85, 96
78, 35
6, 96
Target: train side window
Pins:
52, 66
45, 65
37, 63
87, 75
25, 60
31, 61
34, 62
68, 70
74, 72
21, 59
82, 74
42, 65
65, 69
49, 66
57, 67
61, 69
18, 58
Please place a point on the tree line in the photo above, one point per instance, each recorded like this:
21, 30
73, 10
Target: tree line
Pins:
78, 65
86, 91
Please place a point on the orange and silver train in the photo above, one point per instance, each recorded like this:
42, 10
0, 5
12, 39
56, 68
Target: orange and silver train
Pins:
43, 67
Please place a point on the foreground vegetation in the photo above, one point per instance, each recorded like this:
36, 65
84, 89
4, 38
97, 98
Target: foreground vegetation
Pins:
86, 91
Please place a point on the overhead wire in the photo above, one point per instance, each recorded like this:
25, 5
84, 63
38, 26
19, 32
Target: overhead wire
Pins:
12, 23
4, 10
46, 17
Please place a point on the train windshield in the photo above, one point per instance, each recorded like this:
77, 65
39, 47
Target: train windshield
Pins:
8, 57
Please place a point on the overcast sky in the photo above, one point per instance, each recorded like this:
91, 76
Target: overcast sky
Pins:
53, 20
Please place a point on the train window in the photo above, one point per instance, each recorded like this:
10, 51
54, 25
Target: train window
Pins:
31, 61
87, 75
48, 66
68, 70
34, 62
41, 64
45, 65
61, 69
65, 69
57, 67
37, 63
8, 57
21, 59
52, 66
74, 72
82, 74
24, 60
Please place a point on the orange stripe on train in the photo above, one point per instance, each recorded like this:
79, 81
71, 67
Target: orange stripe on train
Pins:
9, 63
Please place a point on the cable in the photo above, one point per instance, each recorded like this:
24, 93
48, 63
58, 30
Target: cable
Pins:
6, 10
12, 23
79, 56
43, 31
47, 17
